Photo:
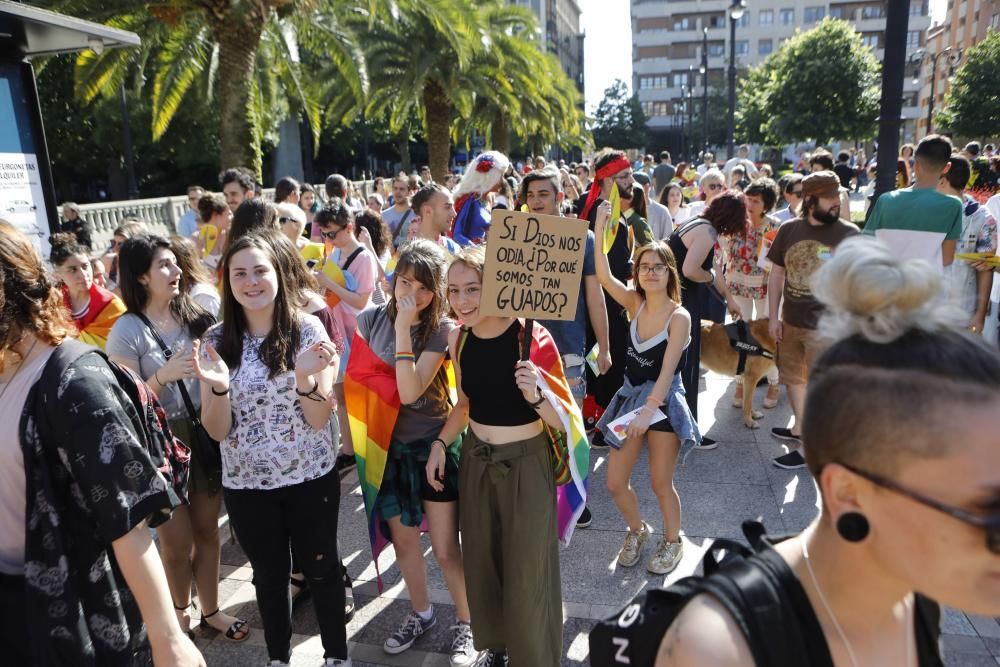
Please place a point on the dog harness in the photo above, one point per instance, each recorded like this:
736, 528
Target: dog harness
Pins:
745, 344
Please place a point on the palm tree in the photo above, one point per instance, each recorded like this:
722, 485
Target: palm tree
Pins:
245, 53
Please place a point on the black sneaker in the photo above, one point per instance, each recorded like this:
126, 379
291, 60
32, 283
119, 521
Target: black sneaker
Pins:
344, 464
706, 444
408, 631
585, 519
785, 434
791, 461
597, 440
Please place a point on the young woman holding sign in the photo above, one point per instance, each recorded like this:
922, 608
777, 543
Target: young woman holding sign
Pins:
659, 337
506, 481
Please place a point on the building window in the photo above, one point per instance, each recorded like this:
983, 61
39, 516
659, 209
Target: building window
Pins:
837, 13
766, 17
765, 46
653, 82
652, 109
684, 24
717, 21
873, 12
781, 41
813, 14
742, 47
918, 9
679, 79
744, 21
913, 39
787, 16
871, 40
716, 50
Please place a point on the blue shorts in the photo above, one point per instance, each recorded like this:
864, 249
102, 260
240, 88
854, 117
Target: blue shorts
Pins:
574, 367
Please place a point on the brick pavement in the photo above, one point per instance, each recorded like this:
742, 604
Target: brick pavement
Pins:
718, 490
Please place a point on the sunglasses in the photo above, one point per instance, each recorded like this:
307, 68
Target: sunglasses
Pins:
990, 524
331, 235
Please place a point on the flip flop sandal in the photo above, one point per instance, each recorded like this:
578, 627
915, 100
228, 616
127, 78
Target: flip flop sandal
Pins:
239, 626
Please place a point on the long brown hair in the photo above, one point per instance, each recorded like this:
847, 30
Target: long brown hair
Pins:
193, 271
29, 300
281, 345
428, 263
666, 255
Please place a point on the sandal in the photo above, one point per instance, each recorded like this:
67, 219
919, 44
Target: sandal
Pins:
771, 400
190, 632
239, 627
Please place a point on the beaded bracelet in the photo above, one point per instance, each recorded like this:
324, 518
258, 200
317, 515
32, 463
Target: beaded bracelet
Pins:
405, 356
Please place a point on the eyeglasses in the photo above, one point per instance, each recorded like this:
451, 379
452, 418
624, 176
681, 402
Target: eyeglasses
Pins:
656, 269
797, 193
990, 524
331, 235
714, 186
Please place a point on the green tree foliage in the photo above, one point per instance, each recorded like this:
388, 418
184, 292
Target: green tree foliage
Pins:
619, 121
972, 104
244, 55
820, 85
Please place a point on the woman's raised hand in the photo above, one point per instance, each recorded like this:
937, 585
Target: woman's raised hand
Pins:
209, 367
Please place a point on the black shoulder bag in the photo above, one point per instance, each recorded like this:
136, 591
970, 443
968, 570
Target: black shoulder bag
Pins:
203, 447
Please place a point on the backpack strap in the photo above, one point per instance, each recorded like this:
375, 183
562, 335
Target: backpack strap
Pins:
353, 256
167, 354
399, 227
65, 354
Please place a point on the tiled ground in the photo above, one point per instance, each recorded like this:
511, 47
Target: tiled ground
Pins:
718, 489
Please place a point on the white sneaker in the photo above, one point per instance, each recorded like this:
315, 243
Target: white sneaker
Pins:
337, 662
666, 558
463, 652
634, 539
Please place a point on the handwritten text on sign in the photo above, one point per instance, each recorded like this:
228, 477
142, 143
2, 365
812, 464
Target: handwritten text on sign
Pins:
534, 265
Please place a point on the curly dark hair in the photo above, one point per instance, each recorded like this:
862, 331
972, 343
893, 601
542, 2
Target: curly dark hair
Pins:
377, 229
29, 300
728, 213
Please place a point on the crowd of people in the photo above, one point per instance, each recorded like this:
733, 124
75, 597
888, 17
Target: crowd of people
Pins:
289, 342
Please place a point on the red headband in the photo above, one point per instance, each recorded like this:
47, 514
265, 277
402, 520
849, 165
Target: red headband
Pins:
608, 170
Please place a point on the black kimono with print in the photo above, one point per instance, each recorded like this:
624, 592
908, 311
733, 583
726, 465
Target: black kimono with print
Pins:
89, 482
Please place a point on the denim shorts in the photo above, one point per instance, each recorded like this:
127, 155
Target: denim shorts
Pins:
574, 367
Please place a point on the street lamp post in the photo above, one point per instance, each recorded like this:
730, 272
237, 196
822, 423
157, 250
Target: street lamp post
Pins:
690, 110
704, 81
918, 57
133, 187
683, 114
736, 11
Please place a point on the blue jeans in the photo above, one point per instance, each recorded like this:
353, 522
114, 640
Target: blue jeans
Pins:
574, 366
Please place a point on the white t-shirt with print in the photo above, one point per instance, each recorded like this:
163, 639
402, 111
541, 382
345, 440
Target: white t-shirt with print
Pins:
271, 445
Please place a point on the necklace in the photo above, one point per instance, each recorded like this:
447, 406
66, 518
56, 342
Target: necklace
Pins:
833, 617
24, 361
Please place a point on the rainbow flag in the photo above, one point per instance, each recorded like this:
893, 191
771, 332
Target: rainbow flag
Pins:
105, 308
571, 498
372, 408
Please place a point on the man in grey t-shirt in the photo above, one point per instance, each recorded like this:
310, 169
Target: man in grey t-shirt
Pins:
399, 214
663, 174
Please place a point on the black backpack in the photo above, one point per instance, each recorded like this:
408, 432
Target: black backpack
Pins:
760, 592
170, 456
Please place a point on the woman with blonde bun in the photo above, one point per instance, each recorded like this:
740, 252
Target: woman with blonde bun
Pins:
900, 407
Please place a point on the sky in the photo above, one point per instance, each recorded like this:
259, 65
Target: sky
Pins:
608, 46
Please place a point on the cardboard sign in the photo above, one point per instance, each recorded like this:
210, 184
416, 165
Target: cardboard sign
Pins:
534, 266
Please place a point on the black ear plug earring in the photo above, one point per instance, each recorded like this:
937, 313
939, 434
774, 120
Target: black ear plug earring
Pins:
853, 526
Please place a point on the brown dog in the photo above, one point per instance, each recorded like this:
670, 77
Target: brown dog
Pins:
718, 356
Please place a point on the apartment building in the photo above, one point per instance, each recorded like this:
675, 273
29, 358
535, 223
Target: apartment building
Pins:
667, 44
965, 24
560, 24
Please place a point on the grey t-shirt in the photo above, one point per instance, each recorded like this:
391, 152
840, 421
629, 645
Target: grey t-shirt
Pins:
423, 418
131, 339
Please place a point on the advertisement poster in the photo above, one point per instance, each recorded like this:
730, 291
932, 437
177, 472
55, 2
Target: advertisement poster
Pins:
21, 200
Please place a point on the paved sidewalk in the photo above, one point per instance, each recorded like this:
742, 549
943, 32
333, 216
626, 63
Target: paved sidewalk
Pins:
718, 490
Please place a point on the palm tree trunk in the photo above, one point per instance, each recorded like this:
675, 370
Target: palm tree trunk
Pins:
403, 147
437, 114
237, 34
501, 133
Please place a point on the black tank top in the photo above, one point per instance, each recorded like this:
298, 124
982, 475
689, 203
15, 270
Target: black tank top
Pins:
644, 358
680, 250
488, 379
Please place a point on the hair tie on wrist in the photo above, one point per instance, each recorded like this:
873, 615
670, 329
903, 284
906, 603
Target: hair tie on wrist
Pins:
405, 356
216, 392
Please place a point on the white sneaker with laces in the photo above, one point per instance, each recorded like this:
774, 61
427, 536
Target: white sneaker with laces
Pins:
634, 539
463, 652
666, 558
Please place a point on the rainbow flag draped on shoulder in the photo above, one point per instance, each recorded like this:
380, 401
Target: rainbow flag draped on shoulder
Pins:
372, 408
95, 325
571, 498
